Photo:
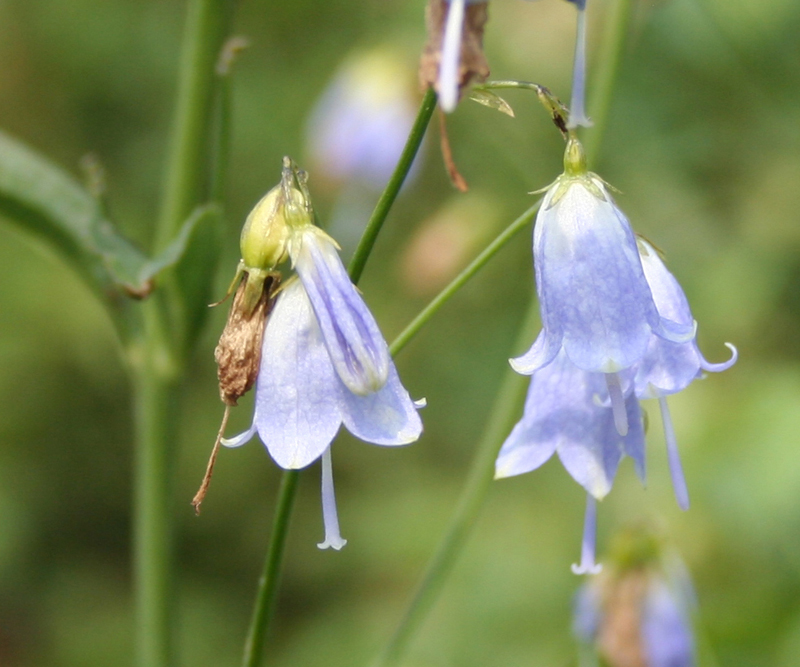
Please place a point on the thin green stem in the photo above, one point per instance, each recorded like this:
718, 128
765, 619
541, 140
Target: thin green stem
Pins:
270, 577
505, 410
187, 163
362, 252
268, 585
458, 282
609, 58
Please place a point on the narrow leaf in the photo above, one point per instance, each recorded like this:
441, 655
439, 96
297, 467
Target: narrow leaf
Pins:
492, 100
44, 199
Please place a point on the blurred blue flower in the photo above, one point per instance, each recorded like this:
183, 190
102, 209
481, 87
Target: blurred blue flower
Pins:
359, 127
324, 362
568, 411
636, 617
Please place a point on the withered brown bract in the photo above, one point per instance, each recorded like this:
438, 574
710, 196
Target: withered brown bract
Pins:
238, 353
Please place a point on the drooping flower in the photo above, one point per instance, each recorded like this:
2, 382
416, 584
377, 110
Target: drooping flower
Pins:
668, 367
637, 614
568, 411
594, 299
324, 363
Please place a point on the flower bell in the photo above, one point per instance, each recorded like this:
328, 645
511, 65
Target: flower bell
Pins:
568, 411
324, 363
595, 302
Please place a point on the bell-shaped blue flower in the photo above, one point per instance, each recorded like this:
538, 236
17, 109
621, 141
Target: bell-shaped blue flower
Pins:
594, 298
324, 363
568, 411
668, 367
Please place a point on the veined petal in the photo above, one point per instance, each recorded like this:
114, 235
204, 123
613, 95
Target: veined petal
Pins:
672, 360
297, 393
385, 417
355, 344
549, 407
590, 277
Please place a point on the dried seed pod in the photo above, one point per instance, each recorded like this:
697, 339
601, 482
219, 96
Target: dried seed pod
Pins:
238, 353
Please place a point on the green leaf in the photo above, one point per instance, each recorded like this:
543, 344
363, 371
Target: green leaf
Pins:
492, 100
44, 199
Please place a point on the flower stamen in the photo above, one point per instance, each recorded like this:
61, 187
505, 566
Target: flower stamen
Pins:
674, 458
330, 517
617, 403
588, 565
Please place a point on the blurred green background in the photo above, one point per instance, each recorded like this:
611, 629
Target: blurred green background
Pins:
703, 142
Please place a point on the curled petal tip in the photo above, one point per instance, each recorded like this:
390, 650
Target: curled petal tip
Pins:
586, 568
722, 366
241, 439
332, 543
421, 403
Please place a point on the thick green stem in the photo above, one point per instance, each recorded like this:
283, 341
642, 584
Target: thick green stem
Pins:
458, 282
362, 252
505, 411
156, 394
270, 577
187, 175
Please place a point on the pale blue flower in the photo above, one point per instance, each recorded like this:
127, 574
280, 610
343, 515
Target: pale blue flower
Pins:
594, 298
568, 411
359, 127
324, 363
668, 367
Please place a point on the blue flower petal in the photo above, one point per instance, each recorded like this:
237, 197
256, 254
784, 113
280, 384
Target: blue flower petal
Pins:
590, 277
386, 417
297, 393
355, 344
451, 56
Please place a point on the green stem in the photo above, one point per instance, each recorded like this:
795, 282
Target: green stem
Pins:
458, 282
268, 585
505, 411
506, 405
156, 373
362, 252
610, 56
156, 394
187, 164
270, 577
